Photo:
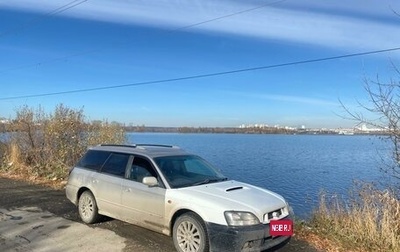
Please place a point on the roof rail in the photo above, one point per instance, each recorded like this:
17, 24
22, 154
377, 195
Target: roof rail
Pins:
157, 145
141, 145
119, 145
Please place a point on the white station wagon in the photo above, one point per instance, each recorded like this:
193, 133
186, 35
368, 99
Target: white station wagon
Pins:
167, 190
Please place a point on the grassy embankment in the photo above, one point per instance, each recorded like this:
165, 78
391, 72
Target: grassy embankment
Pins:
369, 220
43, 147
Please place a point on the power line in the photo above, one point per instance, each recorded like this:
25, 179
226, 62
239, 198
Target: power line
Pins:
71, 5
33, 21
67, 7
199, 76
228, 15
48, 61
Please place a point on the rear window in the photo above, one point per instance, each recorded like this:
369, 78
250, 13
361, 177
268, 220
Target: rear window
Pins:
93, 159
116, 164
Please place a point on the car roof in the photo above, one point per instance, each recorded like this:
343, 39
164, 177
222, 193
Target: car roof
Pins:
150, 150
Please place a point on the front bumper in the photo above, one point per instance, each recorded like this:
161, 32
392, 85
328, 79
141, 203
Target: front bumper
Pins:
243, 239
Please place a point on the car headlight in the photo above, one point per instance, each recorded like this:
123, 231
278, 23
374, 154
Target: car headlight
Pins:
237, 218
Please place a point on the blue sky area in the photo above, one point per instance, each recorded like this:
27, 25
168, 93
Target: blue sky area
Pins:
57, 46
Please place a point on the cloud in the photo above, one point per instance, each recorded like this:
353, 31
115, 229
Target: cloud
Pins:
347, 26
289, 98
300, 99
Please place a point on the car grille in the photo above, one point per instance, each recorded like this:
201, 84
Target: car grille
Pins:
273, 215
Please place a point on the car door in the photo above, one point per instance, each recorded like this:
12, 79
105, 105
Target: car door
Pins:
142, 204
107, 184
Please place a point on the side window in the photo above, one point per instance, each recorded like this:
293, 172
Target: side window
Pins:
93, 159
141, 168
116, 164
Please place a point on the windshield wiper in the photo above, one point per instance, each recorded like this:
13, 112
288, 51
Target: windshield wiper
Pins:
208, 181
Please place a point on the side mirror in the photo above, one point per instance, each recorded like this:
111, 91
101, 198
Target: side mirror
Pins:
150, 181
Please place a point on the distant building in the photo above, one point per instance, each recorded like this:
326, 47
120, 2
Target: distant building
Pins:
365, 129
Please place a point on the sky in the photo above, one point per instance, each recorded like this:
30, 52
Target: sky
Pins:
198, 63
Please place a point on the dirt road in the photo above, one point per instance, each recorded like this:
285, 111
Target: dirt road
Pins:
37, 218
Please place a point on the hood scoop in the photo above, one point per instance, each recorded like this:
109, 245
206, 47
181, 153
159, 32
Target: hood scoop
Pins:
234, 188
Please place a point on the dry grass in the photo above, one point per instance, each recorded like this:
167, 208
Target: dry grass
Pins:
57, 184
368, 221
321, 242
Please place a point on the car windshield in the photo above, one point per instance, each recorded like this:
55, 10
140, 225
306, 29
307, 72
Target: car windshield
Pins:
188, 170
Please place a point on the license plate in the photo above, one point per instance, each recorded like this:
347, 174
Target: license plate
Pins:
281, 227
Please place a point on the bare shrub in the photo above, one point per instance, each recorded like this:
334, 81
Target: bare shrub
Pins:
3, 156
106, 133
47, 145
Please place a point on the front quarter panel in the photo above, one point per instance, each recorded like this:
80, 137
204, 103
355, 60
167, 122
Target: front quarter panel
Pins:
178, 199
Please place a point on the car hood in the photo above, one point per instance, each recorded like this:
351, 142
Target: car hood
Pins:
233, 195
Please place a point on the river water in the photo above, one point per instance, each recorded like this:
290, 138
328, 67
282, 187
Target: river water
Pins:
296, 166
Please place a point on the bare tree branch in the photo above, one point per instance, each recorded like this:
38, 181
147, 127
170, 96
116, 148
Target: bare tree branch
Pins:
384, 104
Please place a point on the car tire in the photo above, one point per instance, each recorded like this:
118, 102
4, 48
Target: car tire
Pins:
87, 208
190, 234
